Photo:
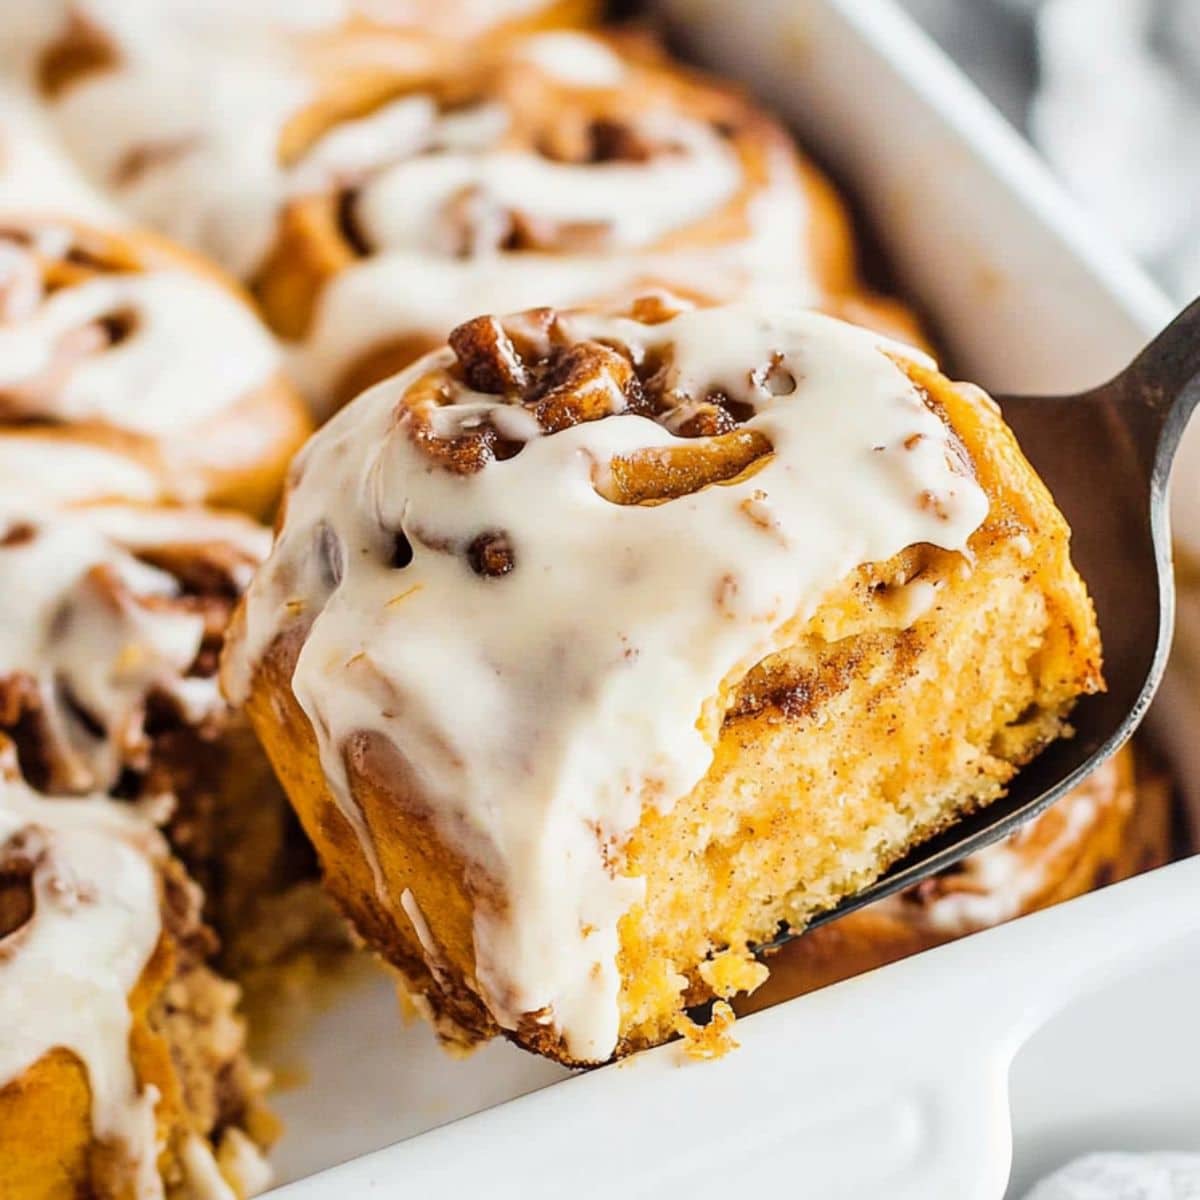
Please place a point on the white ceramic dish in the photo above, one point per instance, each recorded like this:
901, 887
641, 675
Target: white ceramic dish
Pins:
894, 1084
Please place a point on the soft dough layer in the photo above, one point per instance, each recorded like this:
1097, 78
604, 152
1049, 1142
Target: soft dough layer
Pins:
591, 649
1114, 825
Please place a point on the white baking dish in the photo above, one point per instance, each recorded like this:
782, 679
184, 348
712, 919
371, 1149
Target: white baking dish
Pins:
894, 1084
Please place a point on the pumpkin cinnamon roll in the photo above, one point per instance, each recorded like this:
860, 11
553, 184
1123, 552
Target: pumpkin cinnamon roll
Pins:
592, 648
111, 620
122, 1071
563, 169
142, 364
1118, 823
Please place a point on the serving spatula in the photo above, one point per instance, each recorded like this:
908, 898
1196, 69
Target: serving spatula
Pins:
1106, 456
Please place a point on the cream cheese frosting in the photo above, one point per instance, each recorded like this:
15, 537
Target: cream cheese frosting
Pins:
36, 176
549, 662
434, 261
92, 869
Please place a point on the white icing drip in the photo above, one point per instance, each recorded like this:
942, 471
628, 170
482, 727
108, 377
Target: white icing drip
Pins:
50, 470
429, 948
65, 976
83, 618
193, 351
244, 1163
35, 175
914, 601
574, 58
204, 1178
540, 711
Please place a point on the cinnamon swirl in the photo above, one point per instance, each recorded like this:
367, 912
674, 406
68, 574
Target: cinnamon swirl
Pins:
130, 369
122, 1071
591, 648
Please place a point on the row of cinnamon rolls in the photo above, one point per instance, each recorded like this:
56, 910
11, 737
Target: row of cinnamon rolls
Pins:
373, 188
344, 181
145, 427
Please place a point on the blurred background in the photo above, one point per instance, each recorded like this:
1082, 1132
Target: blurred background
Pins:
1109, 92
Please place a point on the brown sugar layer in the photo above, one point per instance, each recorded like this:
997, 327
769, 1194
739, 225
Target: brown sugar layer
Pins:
725, 608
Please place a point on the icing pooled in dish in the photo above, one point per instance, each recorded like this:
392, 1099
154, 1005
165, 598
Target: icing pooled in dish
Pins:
532, 561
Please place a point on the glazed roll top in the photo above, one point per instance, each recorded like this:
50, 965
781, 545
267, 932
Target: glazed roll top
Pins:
624, 515
111, 617
152, 375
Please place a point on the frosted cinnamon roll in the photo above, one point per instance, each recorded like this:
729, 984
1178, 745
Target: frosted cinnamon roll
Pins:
591, 648
122, 1071
118, 346
1117, 824
565, 169
111, 621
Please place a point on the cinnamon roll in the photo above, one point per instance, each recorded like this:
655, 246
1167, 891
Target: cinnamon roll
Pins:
1116, 824
591, 648
122, 1071
111, 620
130, 369
373, 205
